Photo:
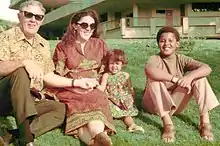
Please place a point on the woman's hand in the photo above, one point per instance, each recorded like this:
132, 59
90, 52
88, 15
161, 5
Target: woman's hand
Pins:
86, 83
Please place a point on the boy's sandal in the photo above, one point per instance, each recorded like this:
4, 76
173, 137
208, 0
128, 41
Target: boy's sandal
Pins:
102, 139
205, 131
168, 134
135, 129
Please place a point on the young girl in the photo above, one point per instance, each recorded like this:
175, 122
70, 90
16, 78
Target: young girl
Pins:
172, 80
117, 85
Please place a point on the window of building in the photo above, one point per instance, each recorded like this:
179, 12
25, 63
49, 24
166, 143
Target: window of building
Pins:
182, 10
129, 15
206, 7
104, 17
117, 15
160, 11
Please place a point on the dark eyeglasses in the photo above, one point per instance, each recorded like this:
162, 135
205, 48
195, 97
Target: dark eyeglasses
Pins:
85, 25
30, 15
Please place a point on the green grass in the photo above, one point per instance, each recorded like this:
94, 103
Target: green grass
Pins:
138, 52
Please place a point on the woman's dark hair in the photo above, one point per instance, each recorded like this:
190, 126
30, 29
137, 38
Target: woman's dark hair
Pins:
167, 29
70, 36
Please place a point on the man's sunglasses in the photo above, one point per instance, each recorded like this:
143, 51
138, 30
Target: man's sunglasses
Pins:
85, 25
30, 15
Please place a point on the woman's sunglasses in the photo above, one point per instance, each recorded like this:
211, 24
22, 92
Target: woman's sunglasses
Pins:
85, 25
30, 15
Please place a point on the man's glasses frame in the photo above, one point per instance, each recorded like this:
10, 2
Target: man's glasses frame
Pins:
29, 15
85, 25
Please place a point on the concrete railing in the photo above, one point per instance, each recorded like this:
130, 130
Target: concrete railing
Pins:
187, 26
109, 25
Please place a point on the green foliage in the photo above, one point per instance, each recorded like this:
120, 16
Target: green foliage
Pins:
4, 25
189, 43
138, 52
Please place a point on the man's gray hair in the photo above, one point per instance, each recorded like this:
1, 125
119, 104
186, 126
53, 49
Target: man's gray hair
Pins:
32, 3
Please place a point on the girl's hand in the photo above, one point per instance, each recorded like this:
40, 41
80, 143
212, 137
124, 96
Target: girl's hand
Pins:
86, 83
100, 88
128, 103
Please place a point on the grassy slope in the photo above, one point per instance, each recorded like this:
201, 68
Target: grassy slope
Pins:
138, 52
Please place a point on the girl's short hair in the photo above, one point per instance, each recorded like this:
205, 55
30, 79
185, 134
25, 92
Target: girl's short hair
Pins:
167, 29
117, 55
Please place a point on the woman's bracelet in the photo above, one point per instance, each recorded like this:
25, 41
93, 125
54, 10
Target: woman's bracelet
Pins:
73, 80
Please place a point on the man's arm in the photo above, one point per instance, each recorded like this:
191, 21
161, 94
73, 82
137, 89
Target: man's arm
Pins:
34, 71
8, 67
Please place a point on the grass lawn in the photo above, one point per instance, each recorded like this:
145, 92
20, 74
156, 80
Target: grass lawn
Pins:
138, 52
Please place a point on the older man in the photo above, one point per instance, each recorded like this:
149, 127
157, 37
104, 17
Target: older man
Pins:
25, 64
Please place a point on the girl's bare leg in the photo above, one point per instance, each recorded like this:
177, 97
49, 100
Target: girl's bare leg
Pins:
85, 136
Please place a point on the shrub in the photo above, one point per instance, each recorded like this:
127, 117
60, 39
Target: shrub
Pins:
4, 25
190, 43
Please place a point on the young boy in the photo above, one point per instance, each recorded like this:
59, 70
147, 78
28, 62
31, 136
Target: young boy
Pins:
172, 80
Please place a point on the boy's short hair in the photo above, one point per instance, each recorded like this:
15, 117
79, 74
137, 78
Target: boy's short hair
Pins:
167, 29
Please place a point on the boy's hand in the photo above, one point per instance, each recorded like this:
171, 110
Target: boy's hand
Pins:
186, 82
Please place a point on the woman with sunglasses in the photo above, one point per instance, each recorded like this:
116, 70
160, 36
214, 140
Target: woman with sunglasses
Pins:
79, 56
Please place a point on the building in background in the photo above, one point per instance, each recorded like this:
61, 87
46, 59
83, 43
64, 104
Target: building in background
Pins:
7, 14
136, 18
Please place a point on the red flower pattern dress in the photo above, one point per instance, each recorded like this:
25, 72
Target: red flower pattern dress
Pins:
83, 105
121, 95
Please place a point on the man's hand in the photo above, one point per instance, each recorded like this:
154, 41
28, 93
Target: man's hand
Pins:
34, 71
